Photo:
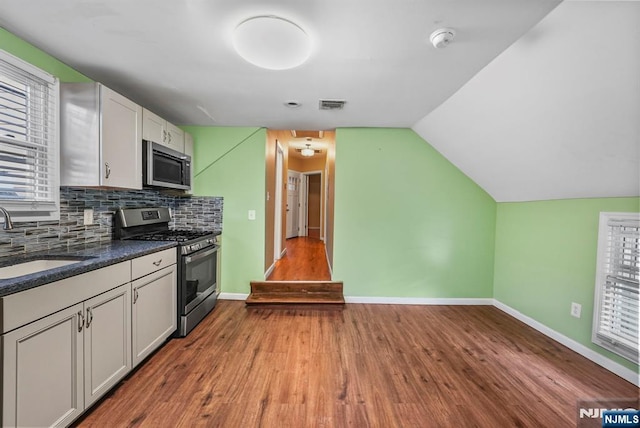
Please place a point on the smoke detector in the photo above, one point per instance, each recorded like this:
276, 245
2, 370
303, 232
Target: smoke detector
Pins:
442, 37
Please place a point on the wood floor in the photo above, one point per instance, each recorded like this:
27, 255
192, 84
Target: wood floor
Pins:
305, 260
361, 366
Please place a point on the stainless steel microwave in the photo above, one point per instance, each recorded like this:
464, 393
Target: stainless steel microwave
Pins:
164, 167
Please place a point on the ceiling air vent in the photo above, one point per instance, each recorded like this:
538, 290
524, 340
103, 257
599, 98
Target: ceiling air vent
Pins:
332, 104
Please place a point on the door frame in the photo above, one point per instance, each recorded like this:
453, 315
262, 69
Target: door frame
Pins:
299, 207
277, 230
304, 212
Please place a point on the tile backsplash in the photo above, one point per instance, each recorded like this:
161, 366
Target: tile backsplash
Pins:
196, 212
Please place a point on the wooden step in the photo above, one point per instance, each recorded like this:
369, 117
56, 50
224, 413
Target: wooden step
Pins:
295, 292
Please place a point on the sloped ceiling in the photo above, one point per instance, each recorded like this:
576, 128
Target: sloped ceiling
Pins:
557, 115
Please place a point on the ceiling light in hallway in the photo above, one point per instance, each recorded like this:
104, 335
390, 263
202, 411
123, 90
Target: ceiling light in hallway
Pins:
272, 42
307, 151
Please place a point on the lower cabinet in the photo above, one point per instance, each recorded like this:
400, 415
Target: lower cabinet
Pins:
59, 357
107, 341
153, 316
43, 371
56, 367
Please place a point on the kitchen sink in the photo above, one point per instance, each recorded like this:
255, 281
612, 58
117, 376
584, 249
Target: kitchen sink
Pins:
33, 266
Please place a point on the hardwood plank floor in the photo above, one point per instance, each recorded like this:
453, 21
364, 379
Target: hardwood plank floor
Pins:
305, 260
361, 366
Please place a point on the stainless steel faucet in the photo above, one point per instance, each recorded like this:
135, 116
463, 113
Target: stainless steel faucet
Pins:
8, 224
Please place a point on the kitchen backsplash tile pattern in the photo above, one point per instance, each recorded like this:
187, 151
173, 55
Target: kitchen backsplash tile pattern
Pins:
196, 213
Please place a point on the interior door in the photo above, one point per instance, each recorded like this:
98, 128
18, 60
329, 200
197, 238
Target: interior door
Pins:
293, 203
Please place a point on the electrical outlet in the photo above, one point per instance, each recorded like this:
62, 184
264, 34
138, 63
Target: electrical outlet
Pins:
88, 216
576, 309
252, 214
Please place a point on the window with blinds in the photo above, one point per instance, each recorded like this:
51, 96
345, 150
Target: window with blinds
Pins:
29, 152
615, 321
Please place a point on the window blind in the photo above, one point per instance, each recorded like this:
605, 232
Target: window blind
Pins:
28, 139
617, 311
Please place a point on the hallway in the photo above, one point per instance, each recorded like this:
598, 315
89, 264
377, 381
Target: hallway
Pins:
305, 260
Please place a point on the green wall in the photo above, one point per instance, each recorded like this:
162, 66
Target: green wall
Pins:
230, 162
407, 222
23, 50
546, 259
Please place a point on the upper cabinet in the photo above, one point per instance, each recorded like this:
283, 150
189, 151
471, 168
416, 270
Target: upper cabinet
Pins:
158, 130
101, 142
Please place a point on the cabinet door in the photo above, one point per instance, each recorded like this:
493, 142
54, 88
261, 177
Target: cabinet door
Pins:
121, 142
153, 127
42, 371
154, 311
188, 150
107, 341
175, 137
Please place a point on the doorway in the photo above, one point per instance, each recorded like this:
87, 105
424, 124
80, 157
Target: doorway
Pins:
314, 205
305, 221
294, 188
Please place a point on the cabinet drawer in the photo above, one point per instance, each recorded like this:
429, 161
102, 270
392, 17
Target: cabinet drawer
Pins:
152, 262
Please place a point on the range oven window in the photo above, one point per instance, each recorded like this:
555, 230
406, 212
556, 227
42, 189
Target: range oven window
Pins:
199, 277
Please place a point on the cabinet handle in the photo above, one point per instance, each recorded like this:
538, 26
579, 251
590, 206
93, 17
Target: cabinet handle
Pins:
169, 135
164, 135
81, 317
135, 296
107, 170
158, 263
89, 317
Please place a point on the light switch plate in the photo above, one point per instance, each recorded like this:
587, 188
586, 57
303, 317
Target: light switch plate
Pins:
88, 216
576, 309
252, 214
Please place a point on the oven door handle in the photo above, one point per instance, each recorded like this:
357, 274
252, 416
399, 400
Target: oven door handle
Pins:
202, 255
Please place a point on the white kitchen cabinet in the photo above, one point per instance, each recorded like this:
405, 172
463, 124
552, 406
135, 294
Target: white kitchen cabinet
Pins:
154, 311
188, 150
107, 341
158, 130
66, 343
42, 371
100, 142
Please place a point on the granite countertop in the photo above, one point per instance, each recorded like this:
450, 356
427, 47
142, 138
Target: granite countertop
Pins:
91, 257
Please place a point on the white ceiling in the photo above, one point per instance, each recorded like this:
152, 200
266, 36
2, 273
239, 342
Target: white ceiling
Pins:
175, 57
530, 106
557, 115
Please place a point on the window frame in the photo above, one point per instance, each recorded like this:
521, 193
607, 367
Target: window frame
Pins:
28, 211
602, 271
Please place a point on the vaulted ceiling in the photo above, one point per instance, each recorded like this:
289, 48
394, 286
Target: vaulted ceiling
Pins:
525, 106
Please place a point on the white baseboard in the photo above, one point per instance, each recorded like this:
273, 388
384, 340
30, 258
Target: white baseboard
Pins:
620, 370
283, 253
233, 296
328, 264
417, 300
268, 272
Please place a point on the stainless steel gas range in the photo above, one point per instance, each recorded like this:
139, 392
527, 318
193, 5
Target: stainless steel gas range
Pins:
198, 260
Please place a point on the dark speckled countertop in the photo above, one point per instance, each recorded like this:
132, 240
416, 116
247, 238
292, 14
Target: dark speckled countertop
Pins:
91, 257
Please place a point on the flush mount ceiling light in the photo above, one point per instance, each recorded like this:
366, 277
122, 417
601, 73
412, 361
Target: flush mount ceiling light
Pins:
272, 42
442, 37
307, 151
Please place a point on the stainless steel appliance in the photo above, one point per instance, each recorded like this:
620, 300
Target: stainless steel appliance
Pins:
165, 167
198, 260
